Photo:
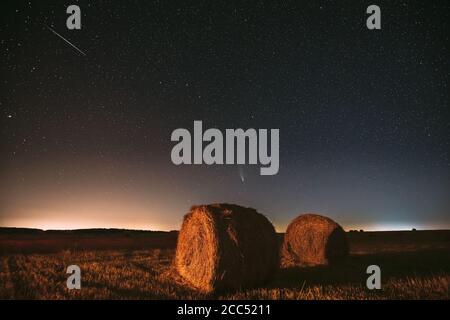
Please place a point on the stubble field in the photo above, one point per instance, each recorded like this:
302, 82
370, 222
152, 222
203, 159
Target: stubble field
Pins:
414, 265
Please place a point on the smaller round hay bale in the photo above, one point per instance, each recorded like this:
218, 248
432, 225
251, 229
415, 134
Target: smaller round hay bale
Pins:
226, 247
312, 239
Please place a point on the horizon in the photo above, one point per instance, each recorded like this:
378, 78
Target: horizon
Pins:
176, 230
278, 230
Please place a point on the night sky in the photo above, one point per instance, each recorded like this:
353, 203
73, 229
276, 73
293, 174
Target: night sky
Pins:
363, 114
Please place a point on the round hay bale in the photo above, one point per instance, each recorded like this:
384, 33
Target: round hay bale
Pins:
226, 247
311, 239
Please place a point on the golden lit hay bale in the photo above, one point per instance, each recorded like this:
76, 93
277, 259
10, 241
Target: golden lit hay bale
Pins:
225, 247
311, 239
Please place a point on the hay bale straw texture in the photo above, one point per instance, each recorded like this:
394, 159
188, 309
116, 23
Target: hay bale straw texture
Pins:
225, 247
312, 239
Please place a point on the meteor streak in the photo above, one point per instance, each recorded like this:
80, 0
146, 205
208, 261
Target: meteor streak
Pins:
67, 41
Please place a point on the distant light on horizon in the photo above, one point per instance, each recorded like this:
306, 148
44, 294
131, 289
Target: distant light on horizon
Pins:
397, 227
85, 220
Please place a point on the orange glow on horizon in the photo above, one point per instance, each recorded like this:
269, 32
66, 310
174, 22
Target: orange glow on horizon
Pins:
139, 224
58, 225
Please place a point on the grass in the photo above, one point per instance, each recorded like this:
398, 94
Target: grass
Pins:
413, 265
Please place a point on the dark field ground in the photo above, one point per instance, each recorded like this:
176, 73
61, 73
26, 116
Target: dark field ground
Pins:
121, 264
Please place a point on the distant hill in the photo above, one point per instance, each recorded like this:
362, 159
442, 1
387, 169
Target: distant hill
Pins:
28, 240
25, 231
93, 231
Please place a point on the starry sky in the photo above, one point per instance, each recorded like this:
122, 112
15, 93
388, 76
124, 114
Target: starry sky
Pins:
363, 114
